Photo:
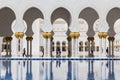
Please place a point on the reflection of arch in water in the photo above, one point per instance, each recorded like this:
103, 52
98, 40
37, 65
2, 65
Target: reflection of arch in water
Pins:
81, 46
63, 46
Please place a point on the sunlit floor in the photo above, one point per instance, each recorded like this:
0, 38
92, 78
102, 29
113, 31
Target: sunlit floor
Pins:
59, 70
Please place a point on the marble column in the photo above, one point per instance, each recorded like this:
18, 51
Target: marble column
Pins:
8, 49
48, 48
100, 43
112, 41
51, 45
47, 36
21, 35
27, 48
88, 47
69, 46
17, 42
74, 36
73, 46
104, 46
104, 35
77, 48
31, 46
109, 48
90, 41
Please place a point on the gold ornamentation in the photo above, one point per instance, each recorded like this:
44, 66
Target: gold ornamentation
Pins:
8, 39
111, 38
74, 34
100, 34
47, 34
90, 39
69, 38
19, 34
104, 34
29, 38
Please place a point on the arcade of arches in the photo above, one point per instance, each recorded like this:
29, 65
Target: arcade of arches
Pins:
86, 31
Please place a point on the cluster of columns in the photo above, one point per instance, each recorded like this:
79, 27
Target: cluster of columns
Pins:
74, 42
8, 46
47, 46
29, 46
111, 46
19, 43
90, 46
102, 36
90, 70
69, 46
111, 75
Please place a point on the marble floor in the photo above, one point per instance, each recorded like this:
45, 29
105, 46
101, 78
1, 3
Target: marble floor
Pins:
59, 69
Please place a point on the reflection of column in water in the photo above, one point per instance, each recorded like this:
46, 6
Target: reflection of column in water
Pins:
19, 70
0, 66
47, 70
8, 75
41, 67
90, 70
111, 75
51, 72
69, 74
74, 70
29, 70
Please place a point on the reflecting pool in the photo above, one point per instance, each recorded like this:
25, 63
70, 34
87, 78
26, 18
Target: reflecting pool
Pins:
59, 70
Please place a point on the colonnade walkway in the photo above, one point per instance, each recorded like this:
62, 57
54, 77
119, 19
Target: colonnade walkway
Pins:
81, 55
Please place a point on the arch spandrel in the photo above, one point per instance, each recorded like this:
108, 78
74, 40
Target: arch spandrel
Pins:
112, 16
7, 16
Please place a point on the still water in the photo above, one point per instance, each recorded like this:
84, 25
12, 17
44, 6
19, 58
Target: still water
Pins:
59, 70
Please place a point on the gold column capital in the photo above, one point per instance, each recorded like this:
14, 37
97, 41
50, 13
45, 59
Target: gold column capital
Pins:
16, 34
100, 34
111, 38
8, 39
51, 38
29, 38
77, 34
74, 34
69, 38
104, 34
19, 34
90, 38
47, 34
